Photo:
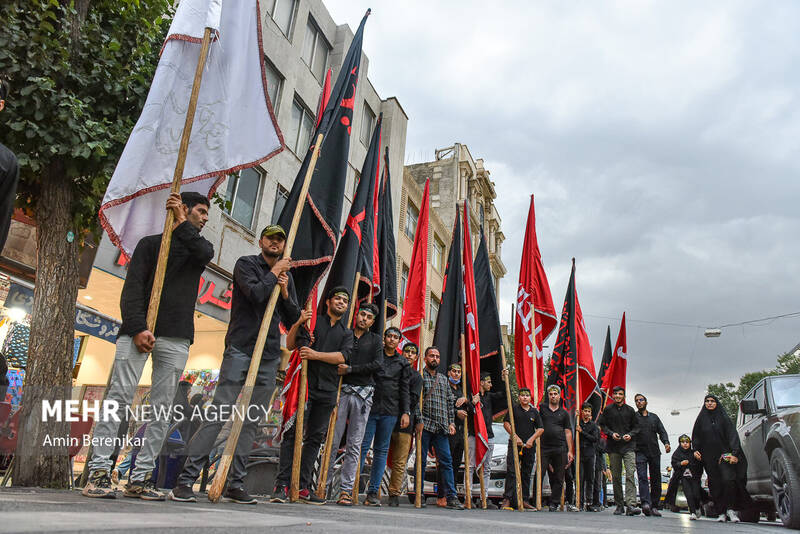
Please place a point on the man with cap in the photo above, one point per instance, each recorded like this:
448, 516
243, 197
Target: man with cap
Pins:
528, 426
330, 345
618, 422
390, 405
491, 403
648, 455
254, 279
400, 443
557, 443
358, 385
462, 410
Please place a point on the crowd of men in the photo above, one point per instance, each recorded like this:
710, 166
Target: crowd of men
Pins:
383, 397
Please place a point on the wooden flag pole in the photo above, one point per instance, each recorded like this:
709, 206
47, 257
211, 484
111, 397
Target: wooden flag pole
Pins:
467, 479
215, 491
520, 506
322, 483
294, 485
421, 455
166, 236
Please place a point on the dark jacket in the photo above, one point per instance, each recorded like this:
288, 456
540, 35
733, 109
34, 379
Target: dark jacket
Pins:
491, 403
621, 420
414, 392
253, 282
391, 387
365, 360
651, 430
590, 435
189, 253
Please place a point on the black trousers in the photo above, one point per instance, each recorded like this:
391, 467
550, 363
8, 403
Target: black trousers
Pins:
691, 490
649, 492
527, 459
599, 483
569, 484
553, 463
315, 425
587, 477
457, 454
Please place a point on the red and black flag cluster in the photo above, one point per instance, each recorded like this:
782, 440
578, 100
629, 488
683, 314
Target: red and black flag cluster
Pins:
322, 207
387, 259
572, 366
354, 255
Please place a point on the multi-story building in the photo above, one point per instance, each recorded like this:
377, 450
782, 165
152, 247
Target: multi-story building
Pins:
300, 42
454, 176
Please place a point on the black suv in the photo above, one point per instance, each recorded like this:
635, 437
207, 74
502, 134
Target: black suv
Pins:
769, 429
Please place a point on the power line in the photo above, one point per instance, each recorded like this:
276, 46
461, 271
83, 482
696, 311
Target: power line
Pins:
752, 322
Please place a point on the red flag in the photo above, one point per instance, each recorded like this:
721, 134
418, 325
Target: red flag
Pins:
534, 304
618, 368
414, 299
472, 341
291, 384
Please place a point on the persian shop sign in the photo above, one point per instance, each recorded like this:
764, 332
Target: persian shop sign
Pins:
213, 294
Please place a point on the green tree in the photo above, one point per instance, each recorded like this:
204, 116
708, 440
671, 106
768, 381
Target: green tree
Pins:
80, 71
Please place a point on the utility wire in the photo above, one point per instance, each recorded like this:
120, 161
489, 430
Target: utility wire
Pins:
752, 322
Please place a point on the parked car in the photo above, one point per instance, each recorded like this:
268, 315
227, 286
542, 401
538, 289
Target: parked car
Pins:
768, 424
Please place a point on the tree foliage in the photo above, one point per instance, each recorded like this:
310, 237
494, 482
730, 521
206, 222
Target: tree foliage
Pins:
731, 394
80, 72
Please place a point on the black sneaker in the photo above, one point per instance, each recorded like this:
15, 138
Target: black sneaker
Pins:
309, 497
619, 510
454, 504
394, 500
632, 510
239, 496
646, 509
280, 495
182, 493
99, 486
655, 512
553, 508
143, 489
372, 500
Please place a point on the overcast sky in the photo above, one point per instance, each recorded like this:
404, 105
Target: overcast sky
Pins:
662, 143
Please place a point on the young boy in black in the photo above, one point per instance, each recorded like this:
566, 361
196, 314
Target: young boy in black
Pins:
687, 471
589, 435
528, 426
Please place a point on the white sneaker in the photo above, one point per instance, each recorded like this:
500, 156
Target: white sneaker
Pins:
693, 516
733, 517
721, 518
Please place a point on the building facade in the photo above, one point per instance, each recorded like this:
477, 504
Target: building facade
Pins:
454, 176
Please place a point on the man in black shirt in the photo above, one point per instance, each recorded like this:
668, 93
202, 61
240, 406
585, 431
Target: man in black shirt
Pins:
589, 436
648, 455
391, 403
528, 426
618, 422
9, 175
332, 345
401, 437
557, 444
254, 278
355, 402
174, 333
462, 410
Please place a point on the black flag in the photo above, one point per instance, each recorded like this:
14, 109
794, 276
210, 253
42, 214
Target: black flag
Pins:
318, 231
358, 236
450, 322
386, 252
488, 317
597, 397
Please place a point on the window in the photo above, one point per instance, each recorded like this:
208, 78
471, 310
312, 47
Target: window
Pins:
367, 124
281, 196
274, 82
438, 254
412, 214
403, 282
315, 50
243, 191
356, 180
301, 128
281, 12
481, 215
433, 312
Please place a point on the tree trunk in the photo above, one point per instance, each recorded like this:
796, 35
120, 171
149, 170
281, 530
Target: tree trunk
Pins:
50, 352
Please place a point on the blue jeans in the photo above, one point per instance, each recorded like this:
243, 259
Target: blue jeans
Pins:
441, 445
379, 427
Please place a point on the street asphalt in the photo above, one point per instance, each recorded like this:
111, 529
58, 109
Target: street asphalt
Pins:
38, 510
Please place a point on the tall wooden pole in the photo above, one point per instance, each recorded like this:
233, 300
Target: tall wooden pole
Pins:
467, 478
520, 506
327, 449
215, 490
421, 455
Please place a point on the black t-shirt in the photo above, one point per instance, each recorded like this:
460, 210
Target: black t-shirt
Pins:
323, 376
554, 424
525, 421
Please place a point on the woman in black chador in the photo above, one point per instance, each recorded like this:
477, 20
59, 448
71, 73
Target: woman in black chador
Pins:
717, 446
686, 471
